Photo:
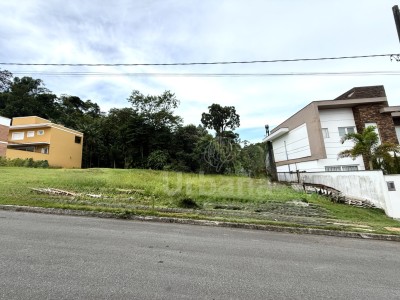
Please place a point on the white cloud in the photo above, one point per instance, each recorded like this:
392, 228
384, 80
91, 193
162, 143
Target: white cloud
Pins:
165, 31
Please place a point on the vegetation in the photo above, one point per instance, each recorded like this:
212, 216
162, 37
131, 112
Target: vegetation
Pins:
145, 134
184, 195
220, 118
19, 162
366, 144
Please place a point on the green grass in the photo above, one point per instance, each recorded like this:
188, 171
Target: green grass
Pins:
196, 196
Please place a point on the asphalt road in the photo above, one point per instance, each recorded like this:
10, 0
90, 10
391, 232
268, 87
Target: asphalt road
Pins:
61, 257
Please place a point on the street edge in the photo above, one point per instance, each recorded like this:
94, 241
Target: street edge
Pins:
298, 230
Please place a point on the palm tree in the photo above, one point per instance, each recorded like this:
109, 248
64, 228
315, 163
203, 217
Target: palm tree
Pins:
367, 145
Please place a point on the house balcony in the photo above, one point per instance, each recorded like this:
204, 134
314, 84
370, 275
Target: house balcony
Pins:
39, 147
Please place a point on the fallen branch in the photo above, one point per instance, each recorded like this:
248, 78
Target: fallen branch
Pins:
51, 191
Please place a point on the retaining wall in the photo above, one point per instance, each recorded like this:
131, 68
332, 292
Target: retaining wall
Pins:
361, 185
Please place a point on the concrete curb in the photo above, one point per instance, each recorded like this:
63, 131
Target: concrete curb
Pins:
298, 230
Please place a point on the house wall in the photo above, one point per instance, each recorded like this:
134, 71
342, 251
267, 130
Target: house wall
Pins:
332, 119
63, 149
308, 116
361, 185
28, 120
293, 145
364, 185
36, 138
13, 154
4, 128
370, 113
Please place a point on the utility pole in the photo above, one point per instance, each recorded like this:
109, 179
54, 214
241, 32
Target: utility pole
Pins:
396, 14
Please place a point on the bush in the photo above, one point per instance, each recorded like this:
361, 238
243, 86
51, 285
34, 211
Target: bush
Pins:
188, 203
27, 163
157, 160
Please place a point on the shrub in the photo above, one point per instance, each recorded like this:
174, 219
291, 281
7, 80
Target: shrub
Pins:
157, 160
188, 203
27, 163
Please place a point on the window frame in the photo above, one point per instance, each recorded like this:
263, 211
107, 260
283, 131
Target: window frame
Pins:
325, 133
341, 168
346, 130
17, 133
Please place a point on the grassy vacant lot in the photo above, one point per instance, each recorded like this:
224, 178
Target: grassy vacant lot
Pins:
196, 196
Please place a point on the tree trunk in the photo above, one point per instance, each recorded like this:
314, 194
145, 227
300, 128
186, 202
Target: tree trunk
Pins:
371, 165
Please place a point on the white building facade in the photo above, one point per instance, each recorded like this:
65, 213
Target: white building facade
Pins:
310, 140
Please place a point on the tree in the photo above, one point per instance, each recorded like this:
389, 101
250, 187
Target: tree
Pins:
158, 111
116, 127
252, 159
5, 80
28, 97
220, 118
367, 145
185, 155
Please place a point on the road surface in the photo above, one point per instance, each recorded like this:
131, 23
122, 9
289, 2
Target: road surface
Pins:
62, 257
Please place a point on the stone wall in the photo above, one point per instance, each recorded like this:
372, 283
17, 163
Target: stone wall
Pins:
369, 113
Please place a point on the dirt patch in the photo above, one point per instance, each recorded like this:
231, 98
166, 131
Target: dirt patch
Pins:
397, 229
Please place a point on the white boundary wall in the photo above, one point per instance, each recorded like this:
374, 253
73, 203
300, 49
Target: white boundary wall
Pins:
394, 196
362, 185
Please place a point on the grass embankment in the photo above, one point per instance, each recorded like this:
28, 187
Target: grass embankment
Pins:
195, 196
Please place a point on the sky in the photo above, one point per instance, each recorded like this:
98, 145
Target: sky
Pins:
182, 31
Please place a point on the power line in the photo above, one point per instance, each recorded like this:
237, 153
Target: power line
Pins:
392, 56
107, 74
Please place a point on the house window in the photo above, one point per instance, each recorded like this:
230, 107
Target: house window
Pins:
30, 134
29, 149
325, 133
349, 168
17, 136
78, 139
341, 168
40, 132
333, 169
345, 130
44, 150
391, 186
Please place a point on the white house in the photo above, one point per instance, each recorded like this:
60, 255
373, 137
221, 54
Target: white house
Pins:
310, 140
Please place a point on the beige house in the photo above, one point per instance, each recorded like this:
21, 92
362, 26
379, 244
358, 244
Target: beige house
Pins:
4, 128
40, 139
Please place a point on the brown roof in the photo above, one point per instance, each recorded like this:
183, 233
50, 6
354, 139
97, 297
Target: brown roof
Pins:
363, 92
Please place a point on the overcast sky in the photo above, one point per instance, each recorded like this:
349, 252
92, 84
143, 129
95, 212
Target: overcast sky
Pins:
171, 31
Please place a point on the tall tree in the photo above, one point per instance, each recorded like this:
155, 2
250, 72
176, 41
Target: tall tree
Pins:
158, 111
252, 159
5, 80
27, 96
367, 145
220, 118
185, 155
